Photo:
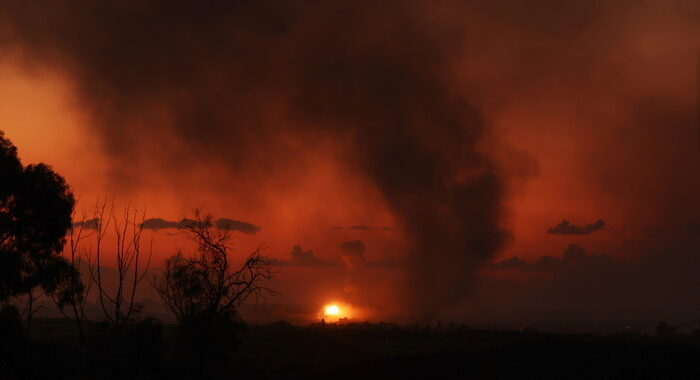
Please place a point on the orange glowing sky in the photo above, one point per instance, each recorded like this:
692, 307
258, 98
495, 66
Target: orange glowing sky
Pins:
569, 136
589, 112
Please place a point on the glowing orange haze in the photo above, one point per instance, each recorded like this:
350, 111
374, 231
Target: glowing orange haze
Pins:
38, 114
614, 139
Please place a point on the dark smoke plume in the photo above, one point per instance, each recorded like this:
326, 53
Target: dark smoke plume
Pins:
230, 79
352, 254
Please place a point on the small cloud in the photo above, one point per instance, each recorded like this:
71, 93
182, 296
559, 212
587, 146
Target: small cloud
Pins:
308, 259
573, 257
511, 263
89, 224
236, 225
566, 228
159, 224
222, 224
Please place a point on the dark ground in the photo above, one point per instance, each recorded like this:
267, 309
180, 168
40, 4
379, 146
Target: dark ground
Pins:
356, 351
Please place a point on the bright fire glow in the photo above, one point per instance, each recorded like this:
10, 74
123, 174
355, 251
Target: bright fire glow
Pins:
332, 310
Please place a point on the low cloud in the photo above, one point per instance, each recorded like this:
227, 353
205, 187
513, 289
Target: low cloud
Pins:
89, 224
304, 258
566, 228
352, 256
236, 225
159, 224
225, 224
573, 257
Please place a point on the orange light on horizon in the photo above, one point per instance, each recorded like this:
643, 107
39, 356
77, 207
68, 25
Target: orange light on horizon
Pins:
335, 312
332, 310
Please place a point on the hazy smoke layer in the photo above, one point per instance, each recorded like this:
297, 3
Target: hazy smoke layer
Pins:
229, 79
251, 85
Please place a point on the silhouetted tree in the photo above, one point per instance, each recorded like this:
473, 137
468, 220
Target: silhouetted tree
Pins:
204, 287
74, 291
203, 290
35, 214
125, 346
119, 305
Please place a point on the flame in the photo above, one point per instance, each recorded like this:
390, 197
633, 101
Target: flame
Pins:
332, 310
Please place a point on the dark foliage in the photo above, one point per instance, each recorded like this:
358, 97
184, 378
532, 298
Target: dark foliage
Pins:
35, 213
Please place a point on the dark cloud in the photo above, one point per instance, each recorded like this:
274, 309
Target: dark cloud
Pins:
594, 292
236, 225
566, 228
352, 256
90, 224
573, 257
376, 72
307, 259
159, 224
396, 84
222, 224
510, 263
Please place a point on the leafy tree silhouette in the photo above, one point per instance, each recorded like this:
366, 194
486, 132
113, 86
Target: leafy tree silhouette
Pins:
204, 290
36, 206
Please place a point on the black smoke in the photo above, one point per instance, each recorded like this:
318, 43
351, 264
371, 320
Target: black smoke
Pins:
233, 77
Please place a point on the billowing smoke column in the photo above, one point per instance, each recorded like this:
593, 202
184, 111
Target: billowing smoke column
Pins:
352, 254
227, 79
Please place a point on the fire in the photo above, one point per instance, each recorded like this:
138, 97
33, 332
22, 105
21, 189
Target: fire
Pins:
336, 312
332, 310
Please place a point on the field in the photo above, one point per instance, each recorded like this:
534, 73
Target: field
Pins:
283, 351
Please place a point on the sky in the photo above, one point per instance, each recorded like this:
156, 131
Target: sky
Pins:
458, 134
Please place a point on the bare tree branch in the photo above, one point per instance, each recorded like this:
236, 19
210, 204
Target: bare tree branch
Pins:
205, 286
